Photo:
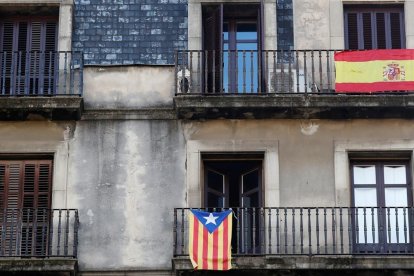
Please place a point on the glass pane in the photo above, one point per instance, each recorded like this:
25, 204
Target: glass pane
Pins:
215, 181
365, 197
225, 31
364, 174
396, 197
395, 174
251, 200
214, 200
246, 31
250, 181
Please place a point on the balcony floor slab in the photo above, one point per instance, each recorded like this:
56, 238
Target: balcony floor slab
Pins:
294, 106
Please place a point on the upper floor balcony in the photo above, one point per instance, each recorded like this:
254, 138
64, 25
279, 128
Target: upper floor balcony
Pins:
46, 83
275, 84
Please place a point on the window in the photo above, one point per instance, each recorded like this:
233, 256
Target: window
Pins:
231, 40
25, 200
28, 54
370, 27
381, 192
235, 181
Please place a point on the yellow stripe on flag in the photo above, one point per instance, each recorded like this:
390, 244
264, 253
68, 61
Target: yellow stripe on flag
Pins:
200, 246
220, 246
371, 71
191, 242
210, 252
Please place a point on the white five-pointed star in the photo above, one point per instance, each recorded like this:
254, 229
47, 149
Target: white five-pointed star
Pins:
211, 219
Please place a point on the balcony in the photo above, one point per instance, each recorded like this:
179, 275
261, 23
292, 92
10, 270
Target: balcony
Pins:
274, 84
315, 238
48, 84
31, 239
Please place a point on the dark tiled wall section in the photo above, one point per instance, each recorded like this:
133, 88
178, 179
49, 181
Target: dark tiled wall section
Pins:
285, 24
130, 31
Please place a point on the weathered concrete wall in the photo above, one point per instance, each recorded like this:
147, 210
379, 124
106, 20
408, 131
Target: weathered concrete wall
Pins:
126, 177
128, 87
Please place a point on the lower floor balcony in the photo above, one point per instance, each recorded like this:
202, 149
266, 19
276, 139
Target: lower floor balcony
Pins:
317, 238
39, 240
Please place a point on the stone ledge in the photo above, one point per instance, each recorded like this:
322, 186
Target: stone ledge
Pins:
130, 114
33, 265
294, 262
52, 108
295, 106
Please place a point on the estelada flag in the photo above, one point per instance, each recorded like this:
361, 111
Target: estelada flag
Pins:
210, 239
374, 70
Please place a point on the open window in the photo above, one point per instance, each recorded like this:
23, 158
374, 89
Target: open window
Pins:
235, 181
374, 27
382, 197
232, 43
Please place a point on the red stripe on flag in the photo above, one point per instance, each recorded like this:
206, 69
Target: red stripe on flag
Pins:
225, 243
205, 248
375, 87
370, 55
195, 239
215, 249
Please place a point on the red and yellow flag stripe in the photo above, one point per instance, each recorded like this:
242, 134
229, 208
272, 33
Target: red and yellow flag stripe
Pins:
210, 251
374, 70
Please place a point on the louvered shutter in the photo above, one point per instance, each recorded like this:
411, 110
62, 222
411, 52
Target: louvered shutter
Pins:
352, 31
374, 28
25, 188
396, 30
31, 69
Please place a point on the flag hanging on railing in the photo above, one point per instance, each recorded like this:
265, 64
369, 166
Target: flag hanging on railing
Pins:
374, 70
210, 239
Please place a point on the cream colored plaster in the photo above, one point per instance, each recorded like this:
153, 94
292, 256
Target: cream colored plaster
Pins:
128, 86
341, 162
194, 176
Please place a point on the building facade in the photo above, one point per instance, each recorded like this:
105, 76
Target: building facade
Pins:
117, 116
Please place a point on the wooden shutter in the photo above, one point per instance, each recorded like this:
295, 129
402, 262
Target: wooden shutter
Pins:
212, 35
25, 187
34, 42
351, 31
374, 28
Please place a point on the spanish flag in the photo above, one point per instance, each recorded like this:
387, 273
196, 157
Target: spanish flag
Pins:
374, 70
210, 239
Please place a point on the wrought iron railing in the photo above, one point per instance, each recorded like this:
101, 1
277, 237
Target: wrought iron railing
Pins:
252, 72
41, 73
39, 232
312, 231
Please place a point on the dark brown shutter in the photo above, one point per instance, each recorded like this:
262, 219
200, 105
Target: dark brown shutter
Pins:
352, 31
381, 31
367, 30
212, 35
395, 20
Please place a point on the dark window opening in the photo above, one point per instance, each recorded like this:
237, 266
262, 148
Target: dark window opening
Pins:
374, 27
237, 183
382, 197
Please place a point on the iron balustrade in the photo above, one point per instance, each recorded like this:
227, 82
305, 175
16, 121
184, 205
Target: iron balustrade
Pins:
312, 231
252, 72
39, 232
41, 73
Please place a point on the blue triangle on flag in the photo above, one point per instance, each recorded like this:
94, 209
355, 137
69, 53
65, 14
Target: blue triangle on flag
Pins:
211, 220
